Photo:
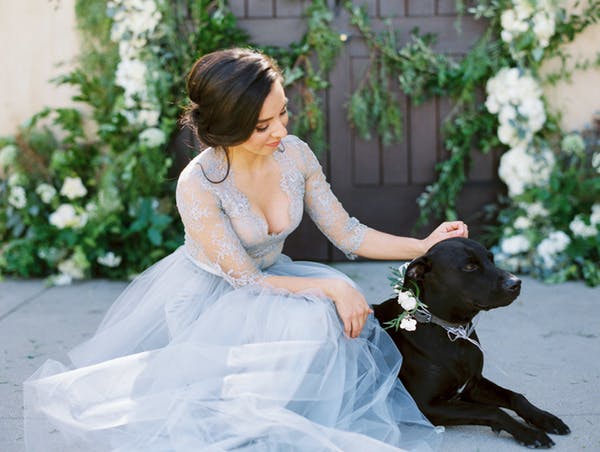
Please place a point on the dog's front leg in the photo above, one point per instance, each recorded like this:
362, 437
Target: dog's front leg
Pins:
489, 393
458, 412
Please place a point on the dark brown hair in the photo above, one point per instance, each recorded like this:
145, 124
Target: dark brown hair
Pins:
227, 89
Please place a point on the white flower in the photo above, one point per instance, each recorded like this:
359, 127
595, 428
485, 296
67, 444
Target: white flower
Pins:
408, 324
152, 137
131, 75
407, 300
510, 263
596, 161
515, 245
61, 279
66, 217
147, 117
46, 192
506, 36
508, 135
543, 27
109, 260
535, 209
16, 179
523, 9
551, 246
511, 22
519, 169
17, 197
533, 109
8, 155
522, 223
595, 216
572, 144
580, 228
507, 113
73, 188
70, 268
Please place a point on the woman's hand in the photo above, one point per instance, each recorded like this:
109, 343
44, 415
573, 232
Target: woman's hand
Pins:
351, 306
444, 231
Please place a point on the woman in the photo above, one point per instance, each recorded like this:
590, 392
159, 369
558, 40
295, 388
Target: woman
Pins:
227, 344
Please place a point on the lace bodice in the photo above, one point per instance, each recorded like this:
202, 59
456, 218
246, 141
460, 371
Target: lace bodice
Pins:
225, 236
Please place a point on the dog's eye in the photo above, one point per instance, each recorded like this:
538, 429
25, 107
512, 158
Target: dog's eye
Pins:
471, 267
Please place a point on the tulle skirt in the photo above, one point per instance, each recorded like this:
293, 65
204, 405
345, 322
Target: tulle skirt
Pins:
185, 362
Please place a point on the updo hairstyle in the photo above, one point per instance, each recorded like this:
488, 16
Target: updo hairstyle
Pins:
227, 89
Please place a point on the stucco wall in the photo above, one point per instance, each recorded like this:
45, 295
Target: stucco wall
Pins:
36, 35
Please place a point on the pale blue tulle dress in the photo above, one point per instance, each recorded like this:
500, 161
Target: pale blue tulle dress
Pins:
199, 354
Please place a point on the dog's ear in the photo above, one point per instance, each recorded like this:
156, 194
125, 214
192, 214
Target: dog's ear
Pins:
418, 268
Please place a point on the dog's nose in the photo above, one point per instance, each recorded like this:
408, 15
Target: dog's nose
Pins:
512, 284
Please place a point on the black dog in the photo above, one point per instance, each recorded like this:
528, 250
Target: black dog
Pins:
457, 279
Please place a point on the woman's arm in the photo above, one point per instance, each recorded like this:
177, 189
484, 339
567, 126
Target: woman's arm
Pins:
379, 245
350, 304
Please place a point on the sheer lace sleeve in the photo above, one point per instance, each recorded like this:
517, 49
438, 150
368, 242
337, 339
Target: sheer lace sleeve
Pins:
210, 237
345, 232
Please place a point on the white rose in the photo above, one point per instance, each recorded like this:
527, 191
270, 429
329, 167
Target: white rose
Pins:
507, 112
69, 267
407, 300
522, 223
580, 228
408, 324
109, 260
492, 104
506, 36
8, 155
73, 188
147, 117
515, 245
46, 192
551, 246
511, 22
17, 197
560, 240
507, 134
532, 106
513, 170
152, 137
535, 209
523, 9
64, 217
543, 27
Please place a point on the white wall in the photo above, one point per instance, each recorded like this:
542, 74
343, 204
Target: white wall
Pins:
36, 35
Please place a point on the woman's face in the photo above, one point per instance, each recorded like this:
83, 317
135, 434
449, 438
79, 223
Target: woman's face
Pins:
271, 126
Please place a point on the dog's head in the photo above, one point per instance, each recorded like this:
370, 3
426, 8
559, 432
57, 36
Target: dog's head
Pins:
457, 278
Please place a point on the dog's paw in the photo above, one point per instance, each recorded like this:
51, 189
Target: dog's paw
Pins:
533, 438
549, 423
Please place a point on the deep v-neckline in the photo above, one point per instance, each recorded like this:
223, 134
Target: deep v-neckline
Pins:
255, 211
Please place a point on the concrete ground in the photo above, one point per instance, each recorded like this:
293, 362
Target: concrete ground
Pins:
546, 345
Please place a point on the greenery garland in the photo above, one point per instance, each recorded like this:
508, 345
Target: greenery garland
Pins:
102, 178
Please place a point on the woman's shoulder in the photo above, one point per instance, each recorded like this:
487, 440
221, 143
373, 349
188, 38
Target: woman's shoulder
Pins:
294, 144
208, 165
301, 152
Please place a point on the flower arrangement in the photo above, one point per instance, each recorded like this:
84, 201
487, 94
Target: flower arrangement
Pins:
552, 230
548, 226
88, 194
408, 299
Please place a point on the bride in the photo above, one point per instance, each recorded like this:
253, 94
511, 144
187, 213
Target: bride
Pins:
227, 344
